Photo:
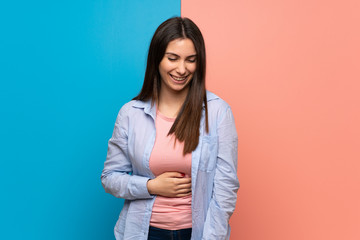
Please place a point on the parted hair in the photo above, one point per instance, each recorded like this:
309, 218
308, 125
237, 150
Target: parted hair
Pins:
186, 127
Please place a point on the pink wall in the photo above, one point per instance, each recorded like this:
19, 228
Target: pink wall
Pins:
291, 71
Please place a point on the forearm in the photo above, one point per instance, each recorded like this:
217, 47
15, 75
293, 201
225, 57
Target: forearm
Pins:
124, 185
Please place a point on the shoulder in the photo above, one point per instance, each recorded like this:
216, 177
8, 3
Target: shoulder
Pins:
124, 110
219, 111
215, 103
132, 107
220, 116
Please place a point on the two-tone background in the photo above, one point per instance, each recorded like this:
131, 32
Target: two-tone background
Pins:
289, 69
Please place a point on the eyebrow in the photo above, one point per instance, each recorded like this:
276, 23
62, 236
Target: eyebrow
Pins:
194, 55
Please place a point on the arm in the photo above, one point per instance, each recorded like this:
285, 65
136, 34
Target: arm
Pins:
115, 177
226, 184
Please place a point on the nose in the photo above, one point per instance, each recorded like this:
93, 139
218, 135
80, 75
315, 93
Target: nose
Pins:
181, 68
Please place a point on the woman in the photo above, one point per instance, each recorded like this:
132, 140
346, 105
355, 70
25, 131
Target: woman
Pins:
173, 152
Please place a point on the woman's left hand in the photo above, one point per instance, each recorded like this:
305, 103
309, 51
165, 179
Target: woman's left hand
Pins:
170, 184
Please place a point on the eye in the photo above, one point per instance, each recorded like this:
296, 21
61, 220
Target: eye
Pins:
192, 60
172, 59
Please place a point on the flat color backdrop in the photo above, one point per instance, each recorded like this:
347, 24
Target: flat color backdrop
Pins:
66, 68
290, 71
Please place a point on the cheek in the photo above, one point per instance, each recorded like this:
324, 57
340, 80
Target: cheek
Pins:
166, 67
163, 75
163, 69
192, 69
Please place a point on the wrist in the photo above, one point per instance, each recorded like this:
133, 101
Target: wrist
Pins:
149, 186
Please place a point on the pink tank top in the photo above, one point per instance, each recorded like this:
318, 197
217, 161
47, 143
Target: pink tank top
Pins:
169, 213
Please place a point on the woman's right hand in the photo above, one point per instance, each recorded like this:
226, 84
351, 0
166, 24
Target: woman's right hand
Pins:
170, 184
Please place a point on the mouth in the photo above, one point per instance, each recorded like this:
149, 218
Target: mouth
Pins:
179, 79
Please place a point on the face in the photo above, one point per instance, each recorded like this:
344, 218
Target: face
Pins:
178, 65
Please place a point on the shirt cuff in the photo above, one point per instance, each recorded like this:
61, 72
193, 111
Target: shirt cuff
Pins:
138, 187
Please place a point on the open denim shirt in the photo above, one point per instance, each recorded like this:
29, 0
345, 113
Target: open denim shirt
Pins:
213, 170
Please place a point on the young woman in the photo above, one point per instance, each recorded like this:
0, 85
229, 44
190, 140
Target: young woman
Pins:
173, 152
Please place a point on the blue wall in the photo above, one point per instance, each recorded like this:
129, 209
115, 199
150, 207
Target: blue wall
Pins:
66, 68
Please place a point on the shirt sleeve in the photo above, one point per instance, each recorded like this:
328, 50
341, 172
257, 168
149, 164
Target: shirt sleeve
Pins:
226, 184
116, 177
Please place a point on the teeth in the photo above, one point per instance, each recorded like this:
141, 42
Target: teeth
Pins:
179, 78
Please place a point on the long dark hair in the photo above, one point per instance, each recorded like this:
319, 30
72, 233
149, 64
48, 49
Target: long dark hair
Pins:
187, 124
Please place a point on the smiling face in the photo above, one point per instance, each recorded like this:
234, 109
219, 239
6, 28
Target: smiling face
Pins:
178, 66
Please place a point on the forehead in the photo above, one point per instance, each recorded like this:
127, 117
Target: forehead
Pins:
181, 47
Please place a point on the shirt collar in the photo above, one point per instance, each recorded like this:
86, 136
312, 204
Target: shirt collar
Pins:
147, 106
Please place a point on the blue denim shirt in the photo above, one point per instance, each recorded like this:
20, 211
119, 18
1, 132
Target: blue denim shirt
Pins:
213, 170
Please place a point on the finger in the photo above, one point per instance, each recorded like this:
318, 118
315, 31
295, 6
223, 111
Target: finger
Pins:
183, 186
174, 174
183, 190
183, 181
180, 175
183, 194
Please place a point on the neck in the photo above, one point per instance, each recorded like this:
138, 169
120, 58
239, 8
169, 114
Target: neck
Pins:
170, 102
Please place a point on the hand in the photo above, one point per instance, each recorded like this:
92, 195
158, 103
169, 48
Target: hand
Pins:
170, 184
